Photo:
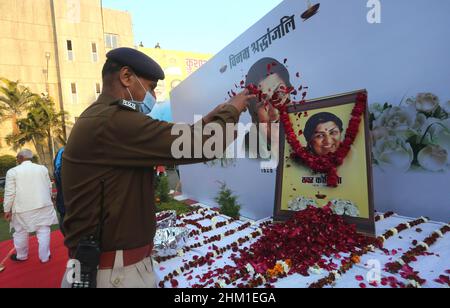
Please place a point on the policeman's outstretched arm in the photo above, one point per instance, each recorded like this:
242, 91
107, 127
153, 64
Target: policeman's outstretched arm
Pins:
240, 102
135, 140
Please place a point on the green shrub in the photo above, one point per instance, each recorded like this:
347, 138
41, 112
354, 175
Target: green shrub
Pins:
174, 205
162, 188
228, 202
6, 162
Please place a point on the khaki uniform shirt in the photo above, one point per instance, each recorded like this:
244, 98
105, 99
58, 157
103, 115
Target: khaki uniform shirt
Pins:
119, 146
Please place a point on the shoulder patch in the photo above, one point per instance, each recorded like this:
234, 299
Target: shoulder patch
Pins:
129, 105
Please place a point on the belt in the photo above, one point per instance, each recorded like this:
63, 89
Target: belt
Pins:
130, 257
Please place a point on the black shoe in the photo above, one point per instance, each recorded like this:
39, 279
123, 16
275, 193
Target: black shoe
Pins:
14, 258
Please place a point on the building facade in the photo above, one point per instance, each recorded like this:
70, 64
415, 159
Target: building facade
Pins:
59, 47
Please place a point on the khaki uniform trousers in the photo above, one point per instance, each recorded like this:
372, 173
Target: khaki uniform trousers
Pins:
139, 275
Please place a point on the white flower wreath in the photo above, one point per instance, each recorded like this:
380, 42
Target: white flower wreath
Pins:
344, 207
301, 203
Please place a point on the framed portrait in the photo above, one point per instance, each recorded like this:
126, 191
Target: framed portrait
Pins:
323, 123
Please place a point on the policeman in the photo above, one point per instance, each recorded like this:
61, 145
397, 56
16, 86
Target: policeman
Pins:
108, 169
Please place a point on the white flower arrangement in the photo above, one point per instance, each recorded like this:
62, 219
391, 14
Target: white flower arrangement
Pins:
301, 203
315, 270
344, 207
250, 269
285, 266
222, 284
415, 134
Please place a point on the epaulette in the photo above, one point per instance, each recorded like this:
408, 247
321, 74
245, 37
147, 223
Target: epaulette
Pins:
124, 104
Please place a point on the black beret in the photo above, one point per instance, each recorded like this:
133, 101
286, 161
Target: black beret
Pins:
142, 65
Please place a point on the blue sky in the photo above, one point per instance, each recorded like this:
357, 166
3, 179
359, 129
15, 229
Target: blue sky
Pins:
199, 25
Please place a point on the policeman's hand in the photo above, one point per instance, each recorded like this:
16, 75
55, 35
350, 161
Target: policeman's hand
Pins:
241, 100
8, 216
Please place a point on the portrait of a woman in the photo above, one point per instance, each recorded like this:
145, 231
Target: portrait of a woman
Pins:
323, 133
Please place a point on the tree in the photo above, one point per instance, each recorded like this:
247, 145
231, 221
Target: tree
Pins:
14, 100
42, 126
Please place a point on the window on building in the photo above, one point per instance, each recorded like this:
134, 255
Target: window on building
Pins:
73, 90
94, 52
111, 40
98, 90
70, 55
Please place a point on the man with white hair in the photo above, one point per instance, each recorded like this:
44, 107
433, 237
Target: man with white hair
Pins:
28, 206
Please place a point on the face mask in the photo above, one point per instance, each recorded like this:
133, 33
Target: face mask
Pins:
148, 103
149, 100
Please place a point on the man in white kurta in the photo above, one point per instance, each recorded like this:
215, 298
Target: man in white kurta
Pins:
28, 206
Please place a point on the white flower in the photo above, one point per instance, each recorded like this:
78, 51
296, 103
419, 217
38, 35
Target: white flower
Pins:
250, 269
263, 279
424, 245
397, 119
438, 232
433, 158
421, 123
415, 284
394, 231
441, 135
376, 109
344, 207
352, 211
315, 270
430, 129
222, 283
446, 107
284, 265
338, 207
379, 133
424, 219
394, 153
427, 102
180, 253
336, 275
301, 203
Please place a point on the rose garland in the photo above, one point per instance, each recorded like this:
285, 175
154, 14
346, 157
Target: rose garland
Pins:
195, 222
162, 216
214, 226
326, 164
207, 259
196, 210
384, 216
207, 241
355, 258
402, 264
